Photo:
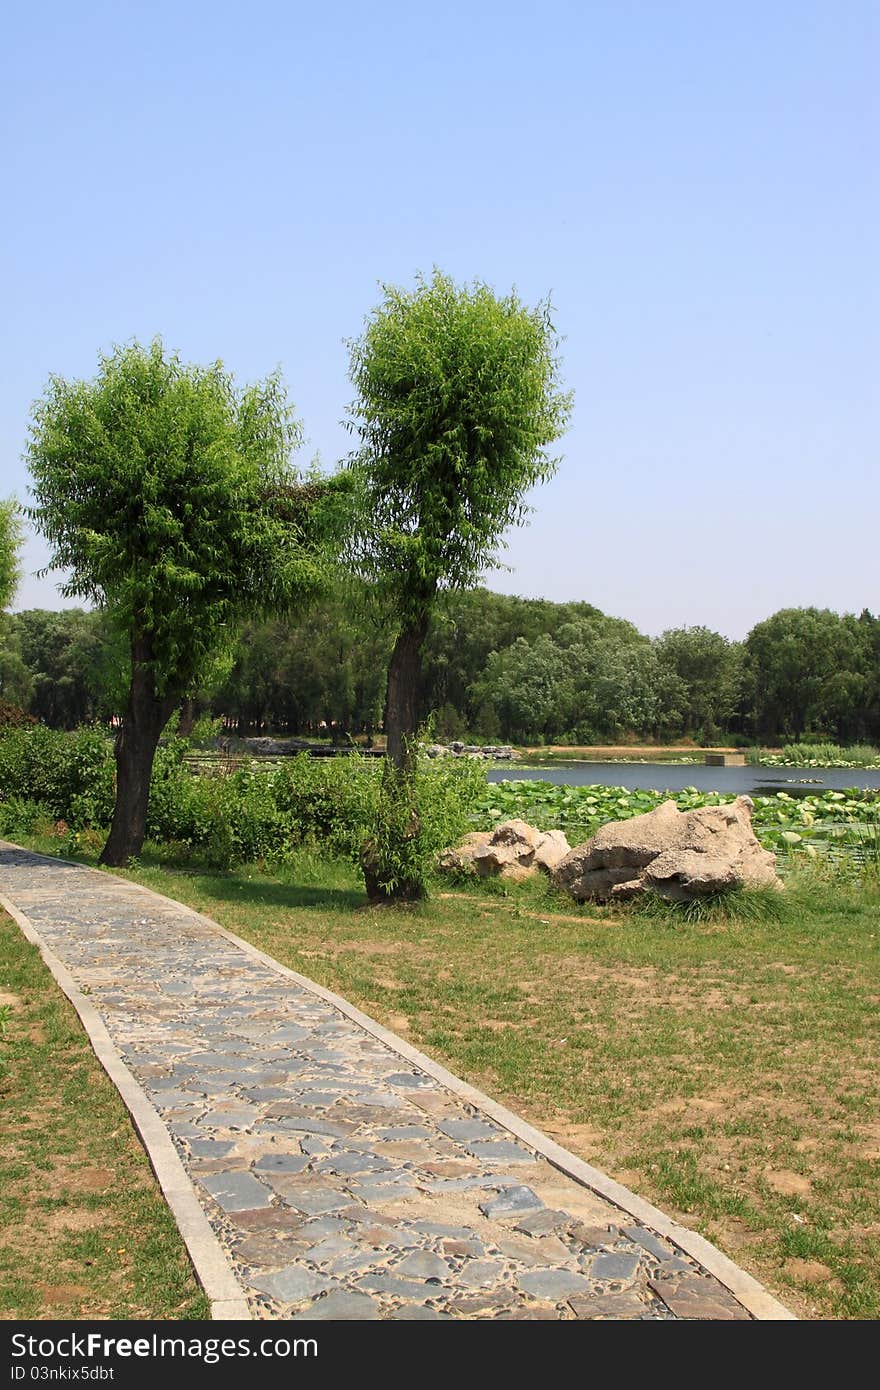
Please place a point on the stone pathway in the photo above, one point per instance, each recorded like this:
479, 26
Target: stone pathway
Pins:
342, 1180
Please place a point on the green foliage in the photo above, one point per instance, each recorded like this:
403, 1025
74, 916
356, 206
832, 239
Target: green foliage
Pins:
810, 667
417, 814
598, 678
155, 485
709, 669
458, 399
250, 814
77, 663
20, 816
10, 543
327, 667
731, 906
818, 754
68, 774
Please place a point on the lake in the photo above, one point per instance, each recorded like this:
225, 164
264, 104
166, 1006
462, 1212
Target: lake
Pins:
753, 781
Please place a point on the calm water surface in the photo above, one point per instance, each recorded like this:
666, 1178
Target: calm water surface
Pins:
754, 781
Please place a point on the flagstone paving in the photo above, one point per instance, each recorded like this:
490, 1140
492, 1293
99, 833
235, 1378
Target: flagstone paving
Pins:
342, 1181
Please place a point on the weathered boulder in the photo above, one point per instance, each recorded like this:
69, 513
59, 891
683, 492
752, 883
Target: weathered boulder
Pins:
678, 854
513, 850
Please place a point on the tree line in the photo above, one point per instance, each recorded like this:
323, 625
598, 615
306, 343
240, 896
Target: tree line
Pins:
168, 496
497, 668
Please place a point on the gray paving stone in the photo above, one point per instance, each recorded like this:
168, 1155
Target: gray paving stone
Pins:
624, 1305
480, 1274
499, 1151
304, 1124
292, 1285
185, 1129
542, 1223
314, 1144
439, 1228
469, 1129
168, 1099
358, 1263
614, 1267
390, 1192
312, 1200
319, 1226
553, 1284
381, 1100
210, 1148
512, 1202
422, 1264
654, 1244
674, 1266
281, 1163
352, 1163
329, 1248
343, 1305
389, 1286
228, 1119
319, 1099
236, 1191
406, 1078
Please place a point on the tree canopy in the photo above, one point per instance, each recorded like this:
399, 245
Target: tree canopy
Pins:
156, 484
458, 401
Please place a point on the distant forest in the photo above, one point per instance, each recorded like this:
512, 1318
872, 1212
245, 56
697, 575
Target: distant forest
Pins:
498, 669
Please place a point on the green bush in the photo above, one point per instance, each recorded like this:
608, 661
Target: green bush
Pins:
416, 819
71, 774
20, 817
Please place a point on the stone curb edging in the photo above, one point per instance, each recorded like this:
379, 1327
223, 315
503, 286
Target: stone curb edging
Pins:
748, 1291
209, 1261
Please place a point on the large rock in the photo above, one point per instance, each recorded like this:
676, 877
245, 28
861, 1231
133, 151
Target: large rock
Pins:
513, 850
678, 854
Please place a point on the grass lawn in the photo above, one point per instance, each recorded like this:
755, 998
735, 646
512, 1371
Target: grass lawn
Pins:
84, 1229
727, 1069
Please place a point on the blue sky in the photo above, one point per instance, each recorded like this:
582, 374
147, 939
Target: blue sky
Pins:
694, 184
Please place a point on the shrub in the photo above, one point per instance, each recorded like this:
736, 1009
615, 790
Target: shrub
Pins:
70, 773
415, 820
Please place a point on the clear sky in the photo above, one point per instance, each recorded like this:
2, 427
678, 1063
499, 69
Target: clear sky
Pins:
695, 184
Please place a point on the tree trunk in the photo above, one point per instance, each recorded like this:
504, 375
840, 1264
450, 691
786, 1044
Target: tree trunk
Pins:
403, 700
384, 858
187, 717
145, 717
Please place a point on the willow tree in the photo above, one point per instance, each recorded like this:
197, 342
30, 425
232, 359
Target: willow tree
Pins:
167, 494
458, 399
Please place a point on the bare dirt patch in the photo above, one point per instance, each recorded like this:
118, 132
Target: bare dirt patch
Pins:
788, 1184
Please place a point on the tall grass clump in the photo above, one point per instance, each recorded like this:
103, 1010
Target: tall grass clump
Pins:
828, 755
